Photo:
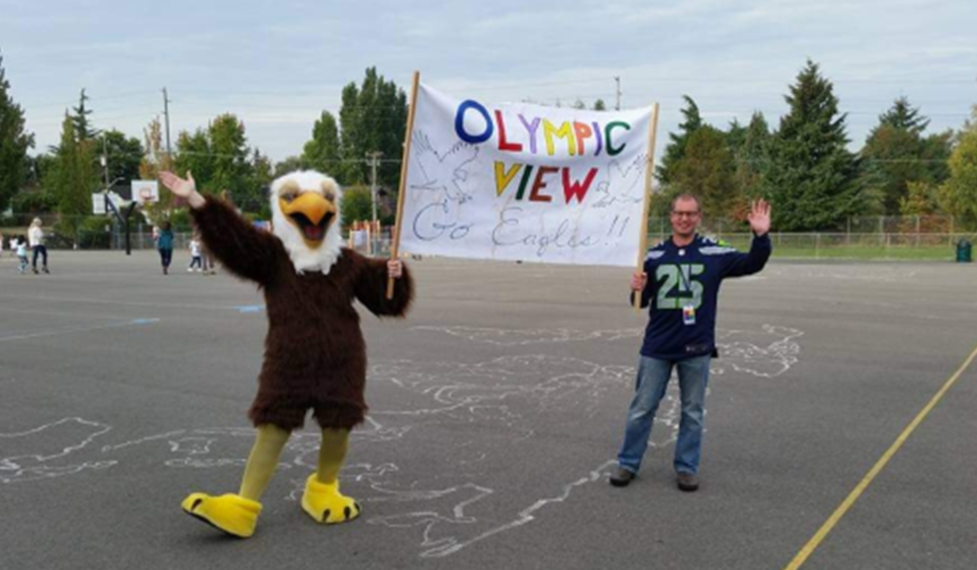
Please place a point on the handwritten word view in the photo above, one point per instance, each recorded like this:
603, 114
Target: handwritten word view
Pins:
524, 182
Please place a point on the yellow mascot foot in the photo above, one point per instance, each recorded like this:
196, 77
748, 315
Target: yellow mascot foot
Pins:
324, 503
230, 513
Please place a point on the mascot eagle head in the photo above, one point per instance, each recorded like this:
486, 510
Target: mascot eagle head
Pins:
305, 217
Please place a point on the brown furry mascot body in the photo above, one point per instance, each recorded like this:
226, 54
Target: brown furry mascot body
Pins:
315, 355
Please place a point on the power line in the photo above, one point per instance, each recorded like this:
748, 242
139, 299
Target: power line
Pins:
101, 119
109, 98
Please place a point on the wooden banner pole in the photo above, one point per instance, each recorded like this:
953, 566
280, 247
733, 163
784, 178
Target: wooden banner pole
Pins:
408, 136
649, 176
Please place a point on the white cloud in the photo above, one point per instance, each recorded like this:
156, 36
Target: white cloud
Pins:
278, 66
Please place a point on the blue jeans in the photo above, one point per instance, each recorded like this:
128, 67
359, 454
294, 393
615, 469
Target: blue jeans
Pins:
42, 251
653, 376
165, 256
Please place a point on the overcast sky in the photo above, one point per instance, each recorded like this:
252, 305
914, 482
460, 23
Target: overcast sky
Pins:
279, 64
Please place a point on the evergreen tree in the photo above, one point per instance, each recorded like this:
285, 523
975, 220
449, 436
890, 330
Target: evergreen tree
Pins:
83, 126
935, 155
752, 156
896, 153
904, 117
73, 178
373, 117
735, 136
391, 127
350, 144
14, 143
707, 170
811, 177
322, 153
676, 148
599, 105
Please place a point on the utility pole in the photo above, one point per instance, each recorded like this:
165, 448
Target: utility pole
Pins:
105, 160
374, 162
105, 168
617, 93
166, 113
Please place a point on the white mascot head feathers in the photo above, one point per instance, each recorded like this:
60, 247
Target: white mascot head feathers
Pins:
305, 216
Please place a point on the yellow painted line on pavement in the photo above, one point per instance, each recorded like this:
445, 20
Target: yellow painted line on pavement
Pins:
822, 532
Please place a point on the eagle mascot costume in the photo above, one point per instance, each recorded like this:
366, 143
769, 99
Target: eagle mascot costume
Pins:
315, 356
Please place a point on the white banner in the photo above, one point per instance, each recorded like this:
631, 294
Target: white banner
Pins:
524, 182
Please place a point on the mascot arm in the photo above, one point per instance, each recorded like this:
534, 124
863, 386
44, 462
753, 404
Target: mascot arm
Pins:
244, 250
371, 287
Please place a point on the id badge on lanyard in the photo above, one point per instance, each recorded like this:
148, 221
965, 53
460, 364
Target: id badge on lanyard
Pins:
688, 309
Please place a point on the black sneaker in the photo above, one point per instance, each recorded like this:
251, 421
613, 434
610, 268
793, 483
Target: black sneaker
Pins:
621, 477
687, 482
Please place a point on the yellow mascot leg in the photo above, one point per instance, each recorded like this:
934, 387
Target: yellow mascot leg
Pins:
322, 499
237, 515
263, 460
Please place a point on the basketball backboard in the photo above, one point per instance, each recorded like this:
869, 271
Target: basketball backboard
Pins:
145, 191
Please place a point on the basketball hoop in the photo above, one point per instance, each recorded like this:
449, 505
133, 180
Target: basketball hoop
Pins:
145, 192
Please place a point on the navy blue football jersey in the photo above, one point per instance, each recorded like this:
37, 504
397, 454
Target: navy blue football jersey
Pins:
683, 290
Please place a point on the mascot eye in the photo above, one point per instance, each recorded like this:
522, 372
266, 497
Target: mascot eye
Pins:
289, 197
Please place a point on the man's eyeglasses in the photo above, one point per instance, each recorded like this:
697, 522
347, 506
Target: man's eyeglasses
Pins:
685, 214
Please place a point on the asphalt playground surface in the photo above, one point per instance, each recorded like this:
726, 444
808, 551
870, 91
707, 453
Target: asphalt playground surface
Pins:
497, 408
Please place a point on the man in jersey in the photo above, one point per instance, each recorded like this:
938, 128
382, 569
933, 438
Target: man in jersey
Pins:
686, 272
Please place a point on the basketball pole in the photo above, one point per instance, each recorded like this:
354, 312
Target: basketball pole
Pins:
128, 225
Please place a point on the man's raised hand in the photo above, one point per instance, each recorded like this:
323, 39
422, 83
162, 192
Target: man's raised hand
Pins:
760, 217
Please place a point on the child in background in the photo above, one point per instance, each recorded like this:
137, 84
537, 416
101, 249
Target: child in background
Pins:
21, 250
164, 244
196, 260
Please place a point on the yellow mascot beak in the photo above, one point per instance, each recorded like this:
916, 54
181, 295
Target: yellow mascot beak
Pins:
311, 213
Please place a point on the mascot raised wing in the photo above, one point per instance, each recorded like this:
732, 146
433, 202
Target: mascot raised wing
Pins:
315, 355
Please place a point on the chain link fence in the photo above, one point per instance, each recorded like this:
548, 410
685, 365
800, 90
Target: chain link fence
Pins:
864, 237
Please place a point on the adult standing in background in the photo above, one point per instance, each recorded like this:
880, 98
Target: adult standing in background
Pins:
35, 235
